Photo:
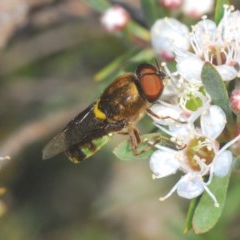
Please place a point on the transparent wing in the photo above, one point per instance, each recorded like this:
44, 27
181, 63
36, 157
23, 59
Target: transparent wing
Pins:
55, 146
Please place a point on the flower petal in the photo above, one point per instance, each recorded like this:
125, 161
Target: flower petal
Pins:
227, 73
167, 33
167, 113
213, 122
190, 186
203, 32
222, 163
184, 63
181, 131
163, 163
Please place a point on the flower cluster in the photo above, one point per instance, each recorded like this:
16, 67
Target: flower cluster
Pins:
219, 45
187, 112
200, 154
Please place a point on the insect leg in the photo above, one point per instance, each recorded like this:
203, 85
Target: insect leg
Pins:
145, 144
165, 117
134, 139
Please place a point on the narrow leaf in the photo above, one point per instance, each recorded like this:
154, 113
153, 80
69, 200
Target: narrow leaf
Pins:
216, 88
138, 31
236, 164
191, 209
133, 56
114, 65
145, 55
99, 5
206, 214
150, 10
219, 10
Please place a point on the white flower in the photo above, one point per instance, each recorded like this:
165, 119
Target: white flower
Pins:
219, 45
115, 19
200, 156
193, 9
166, 34
167, 113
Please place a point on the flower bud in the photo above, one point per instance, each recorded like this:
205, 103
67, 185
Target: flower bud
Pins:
171, 4
115, 19
193, 9
235, 101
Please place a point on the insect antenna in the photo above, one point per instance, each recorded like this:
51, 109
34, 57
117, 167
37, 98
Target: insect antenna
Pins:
156, 62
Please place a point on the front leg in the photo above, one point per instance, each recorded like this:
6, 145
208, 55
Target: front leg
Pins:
150, 112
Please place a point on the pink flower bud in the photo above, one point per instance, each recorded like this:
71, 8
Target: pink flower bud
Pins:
235, 100
171, 4
115, 19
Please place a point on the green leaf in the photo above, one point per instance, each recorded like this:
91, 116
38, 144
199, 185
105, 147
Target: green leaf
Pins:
216, 88
145, 55
133, 56
236, 164
191, 209
135, 30
151, 11
219, 11
114, 65
206, 214
124, 150
99, 5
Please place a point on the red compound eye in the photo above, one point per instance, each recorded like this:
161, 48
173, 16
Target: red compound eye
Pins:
151, 81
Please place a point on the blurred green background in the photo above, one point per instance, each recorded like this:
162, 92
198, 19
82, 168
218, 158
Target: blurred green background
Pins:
50, 52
